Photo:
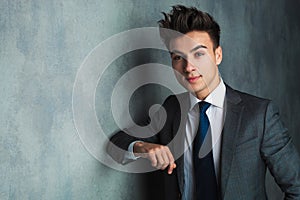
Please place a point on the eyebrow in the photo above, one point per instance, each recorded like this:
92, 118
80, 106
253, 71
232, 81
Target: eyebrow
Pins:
198, 47
192, 50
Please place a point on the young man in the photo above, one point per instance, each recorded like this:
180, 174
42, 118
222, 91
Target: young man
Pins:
237, 136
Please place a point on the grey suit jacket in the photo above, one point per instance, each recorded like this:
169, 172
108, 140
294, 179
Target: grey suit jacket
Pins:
253, 139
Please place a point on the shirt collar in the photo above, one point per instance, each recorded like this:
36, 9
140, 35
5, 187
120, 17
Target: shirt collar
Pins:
216, 97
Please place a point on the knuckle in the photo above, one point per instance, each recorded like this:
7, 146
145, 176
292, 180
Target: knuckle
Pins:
165, 148
151, 151
159, 148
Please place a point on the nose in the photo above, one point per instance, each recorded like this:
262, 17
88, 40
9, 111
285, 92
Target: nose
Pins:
189, 67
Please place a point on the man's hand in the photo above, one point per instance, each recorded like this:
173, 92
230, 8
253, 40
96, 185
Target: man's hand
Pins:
160, 156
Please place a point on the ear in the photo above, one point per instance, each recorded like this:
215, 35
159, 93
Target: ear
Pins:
219, 55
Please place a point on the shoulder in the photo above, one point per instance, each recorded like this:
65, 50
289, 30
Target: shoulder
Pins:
246, 99
176, 99
253, 105
177, 103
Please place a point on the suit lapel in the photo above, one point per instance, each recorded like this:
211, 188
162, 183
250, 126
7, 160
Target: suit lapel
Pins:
234, 110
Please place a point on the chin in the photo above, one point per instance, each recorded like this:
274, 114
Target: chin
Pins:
192, 90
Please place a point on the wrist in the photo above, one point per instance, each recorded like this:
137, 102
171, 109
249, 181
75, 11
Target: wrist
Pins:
137, 147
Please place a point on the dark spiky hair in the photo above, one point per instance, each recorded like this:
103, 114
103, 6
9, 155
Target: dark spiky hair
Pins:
186, 19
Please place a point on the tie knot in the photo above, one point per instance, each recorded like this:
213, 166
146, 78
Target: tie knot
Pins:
203, 106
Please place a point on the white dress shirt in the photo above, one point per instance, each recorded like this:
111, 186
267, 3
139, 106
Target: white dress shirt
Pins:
216, 117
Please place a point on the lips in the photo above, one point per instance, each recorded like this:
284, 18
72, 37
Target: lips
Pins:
193, 79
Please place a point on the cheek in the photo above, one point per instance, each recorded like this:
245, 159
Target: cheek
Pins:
177, 67
205, 66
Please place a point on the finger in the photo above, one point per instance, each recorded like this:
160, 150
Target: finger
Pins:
172, 165
166, 160
171, 168
160, 160
170, 156
152, 158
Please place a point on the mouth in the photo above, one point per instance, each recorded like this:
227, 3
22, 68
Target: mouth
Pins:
193, 79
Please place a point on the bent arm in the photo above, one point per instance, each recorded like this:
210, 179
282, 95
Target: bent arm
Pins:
145, 141
280, 154
160, 156
119, 143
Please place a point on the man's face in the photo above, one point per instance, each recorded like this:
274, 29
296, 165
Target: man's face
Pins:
197, 63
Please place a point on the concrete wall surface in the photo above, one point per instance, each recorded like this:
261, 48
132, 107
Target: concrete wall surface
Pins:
44, 43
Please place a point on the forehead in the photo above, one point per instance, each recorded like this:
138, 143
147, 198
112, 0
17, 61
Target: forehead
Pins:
190, 40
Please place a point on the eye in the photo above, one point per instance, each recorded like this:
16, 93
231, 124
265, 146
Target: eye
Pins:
199, 54
176, 58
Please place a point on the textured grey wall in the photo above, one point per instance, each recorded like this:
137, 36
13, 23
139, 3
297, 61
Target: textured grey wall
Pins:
42, 45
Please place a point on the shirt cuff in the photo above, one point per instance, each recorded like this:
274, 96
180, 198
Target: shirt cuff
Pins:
129, 155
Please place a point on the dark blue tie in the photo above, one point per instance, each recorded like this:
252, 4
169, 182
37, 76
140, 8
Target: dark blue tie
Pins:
205, 177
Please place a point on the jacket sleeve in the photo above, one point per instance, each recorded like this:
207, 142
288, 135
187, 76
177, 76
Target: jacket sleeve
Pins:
118, 144
280, 154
